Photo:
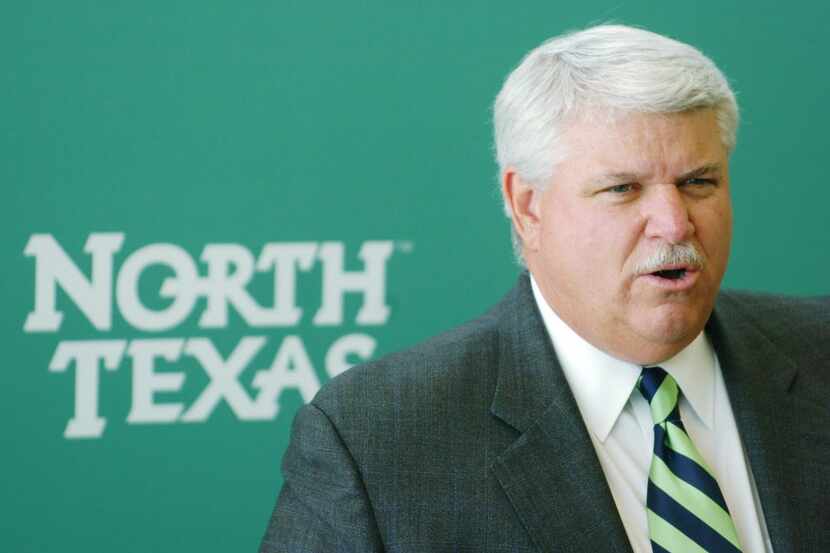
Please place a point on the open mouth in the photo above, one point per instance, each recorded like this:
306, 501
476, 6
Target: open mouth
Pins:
671, 274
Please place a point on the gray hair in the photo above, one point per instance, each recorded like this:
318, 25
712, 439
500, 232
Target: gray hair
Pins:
615, 68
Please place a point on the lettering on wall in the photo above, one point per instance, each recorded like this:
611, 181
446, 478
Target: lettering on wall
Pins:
210, 289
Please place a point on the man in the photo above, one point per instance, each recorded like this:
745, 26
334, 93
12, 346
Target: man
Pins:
613, 400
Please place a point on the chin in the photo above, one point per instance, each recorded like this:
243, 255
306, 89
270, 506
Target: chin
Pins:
674, 326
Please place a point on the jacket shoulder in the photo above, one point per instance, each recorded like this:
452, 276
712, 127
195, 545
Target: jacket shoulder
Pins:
778, 313
447, 364
799, 326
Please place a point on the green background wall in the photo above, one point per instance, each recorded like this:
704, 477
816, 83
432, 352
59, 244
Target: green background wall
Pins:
195, 123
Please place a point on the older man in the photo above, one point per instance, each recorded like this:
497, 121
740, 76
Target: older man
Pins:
613, 400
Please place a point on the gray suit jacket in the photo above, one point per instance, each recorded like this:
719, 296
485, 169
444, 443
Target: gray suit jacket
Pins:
472, 441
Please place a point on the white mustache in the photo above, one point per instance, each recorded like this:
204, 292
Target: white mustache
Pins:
671, 254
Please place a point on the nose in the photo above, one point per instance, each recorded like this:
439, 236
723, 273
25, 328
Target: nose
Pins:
667, 215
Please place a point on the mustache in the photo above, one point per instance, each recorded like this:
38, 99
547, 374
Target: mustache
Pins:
685, 254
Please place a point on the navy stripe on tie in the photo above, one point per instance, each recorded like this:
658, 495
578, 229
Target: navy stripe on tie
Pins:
674, 417
655, 548
678, 516
650, 381
686, 469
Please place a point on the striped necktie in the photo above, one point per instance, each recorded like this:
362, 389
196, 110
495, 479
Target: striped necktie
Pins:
686, 510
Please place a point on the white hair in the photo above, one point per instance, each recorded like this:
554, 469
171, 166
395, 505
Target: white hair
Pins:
614, 68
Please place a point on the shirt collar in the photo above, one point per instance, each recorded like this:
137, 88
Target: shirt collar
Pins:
602, 384
693, 368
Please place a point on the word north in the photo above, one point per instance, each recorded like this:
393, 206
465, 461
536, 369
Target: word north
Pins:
230, 268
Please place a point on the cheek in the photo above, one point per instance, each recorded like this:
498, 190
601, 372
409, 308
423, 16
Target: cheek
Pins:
595, 245
615, 236
715, 230
566, 241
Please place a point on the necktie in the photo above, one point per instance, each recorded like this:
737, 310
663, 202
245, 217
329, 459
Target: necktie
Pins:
686, 510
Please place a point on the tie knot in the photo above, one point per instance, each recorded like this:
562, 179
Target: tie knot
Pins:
661, 392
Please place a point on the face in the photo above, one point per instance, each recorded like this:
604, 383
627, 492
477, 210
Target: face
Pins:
627, 191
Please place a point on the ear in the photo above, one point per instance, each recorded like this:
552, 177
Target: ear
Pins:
523, 200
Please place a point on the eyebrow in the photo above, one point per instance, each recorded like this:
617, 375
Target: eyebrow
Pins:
703, 170
631, 177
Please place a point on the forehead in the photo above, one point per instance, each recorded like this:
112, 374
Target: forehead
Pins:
644, 143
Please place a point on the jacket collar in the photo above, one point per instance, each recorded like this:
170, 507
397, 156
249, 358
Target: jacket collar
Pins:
529, 377
759, 377
551, 473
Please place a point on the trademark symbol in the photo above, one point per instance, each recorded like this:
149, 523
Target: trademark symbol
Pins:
404, 246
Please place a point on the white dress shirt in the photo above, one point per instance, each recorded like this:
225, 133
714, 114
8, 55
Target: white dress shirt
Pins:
619, 422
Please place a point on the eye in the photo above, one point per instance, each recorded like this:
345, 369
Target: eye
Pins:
620, 188
699, 182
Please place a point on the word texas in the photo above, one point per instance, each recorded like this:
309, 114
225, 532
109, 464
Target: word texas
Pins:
229, 270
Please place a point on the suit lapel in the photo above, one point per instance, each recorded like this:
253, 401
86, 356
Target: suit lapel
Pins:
759, 378
551, 474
